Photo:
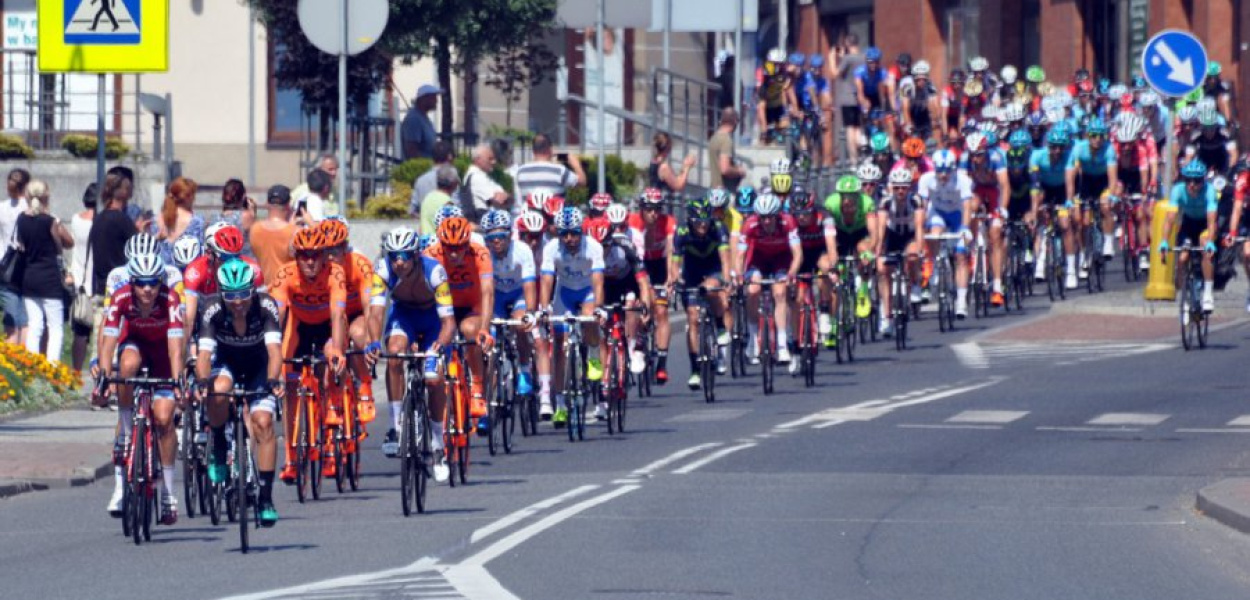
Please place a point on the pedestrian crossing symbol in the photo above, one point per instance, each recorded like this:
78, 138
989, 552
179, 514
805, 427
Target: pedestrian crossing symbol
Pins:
103, 36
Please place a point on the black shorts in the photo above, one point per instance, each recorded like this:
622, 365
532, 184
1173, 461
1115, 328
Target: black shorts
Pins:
1054, 194
848, 241
311, 338
851, 116
774, 114
464, 312
657, 270
1131, 178
1092, 186
811, 258
1191, 230
615, 290
1020, 205
897, 241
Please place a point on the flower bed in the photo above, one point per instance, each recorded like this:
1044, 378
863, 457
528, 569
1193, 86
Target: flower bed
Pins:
29, 380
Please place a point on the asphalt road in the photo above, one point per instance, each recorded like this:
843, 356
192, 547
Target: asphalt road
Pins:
1038, 472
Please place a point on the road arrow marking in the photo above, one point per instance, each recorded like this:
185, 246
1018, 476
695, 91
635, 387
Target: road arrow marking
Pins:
1180, 71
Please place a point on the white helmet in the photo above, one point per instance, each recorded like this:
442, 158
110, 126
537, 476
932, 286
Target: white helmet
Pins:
537, 200
1009, 74
869, 171
1013, 112
400, 239
570, 217
767, 204
145, 266
901, 176
1117, 90
617, 214
1187, 114
978, 64
1148, 98
533, 222
186, 249
944, 159
1129, 127
777, 55
140, 243
781, 166
921, 68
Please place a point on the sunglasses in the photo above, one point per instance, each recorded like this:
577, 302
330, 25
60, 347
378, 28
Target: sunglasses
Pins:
944, 170
1096, 136
308, 254
404, 256
570, 232
650, 209
1057, 146
458, 249
236, 296
148, 282
1195, 180
532, 237
497, 235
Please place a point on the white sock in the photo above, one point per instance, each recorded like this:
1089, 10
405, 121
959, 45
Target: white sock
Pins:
961, 295
753, 328
998, 285
781, 337
1208, 288
544, 388
167, 476
118, 479
396, 407
125, 418
436, 435
1070, 261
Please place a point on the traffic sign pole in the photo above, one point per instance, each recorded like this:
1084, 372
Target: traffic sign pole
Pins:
343, 162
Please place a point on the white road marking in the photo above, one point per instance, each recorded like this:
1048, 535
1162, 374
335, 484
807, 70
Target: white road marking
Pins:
425, 564
708, 415
1242, 421
869, 410
474, 582
946, 426
723, 452
1213, 430
1092, 429
1131, 419
970, 355
524, 513
976, 355
988, 416
674, 457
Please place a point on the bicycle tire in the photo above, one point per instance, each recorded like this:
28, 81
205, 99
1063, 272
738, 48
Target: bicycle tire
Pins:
607, 393
850, 334
138, 467
241, 466
707, 358
507, 411
585, 391
767, 358
407, 452
944, 299
1186, 315
492, 392
572, 363
1061, 270
212, 492
186, 449
301, 451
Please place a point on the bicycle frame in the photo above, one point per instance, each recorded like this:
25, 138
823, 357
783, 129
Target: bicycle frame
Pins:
307, 434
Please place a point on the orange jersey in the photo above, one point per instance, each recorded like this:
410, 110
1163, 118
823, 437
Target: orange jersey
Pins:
310, 301
466, 274
359, 272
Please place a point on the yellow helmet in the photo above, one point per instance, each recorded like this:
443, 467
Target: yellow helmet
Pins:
781, 183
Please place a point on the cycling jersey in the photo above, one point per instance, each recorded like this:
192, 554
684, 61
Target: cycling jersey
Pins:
900, 217
1047, 173
573, 270
412, 291
120, 276
1213, 151
465, 276
246, 352
772, 88
810, 87
1140, 154
732, 220
620, 259
700, 256
310, 301
1090, 161
985, 173
148, 333
872, 80
855, 222
513, 270
812, 235
652, 240
1197, 206
359, 272
918, 109
200, 280
764, 247
946, 197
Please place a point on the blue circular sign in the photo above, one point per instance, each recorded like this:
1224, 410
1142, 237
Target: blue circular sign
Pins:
1174, 62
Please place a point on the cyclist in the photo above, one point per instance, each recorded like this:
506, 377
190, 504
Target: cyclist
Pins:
359, 272
1037, 126
1196, 204
919, 102
222, 242
854, 216
871, 88
701, 256
1137, 168
880, 152
470, 274
914, 158
1017, 201
869, 175
948, 198
772, 80
811, 91
1241, 194
818, 245
1212, 143
625, 279
572, 278
1218, 90
420, 317
773, 252
952, 103
1093, 159
240, 342
653, 234
143, 327
311, 293
985, 166
1034, 77
595, 208
515, 287
1158, 117
140, 243
900, 229
1010, 89
186, 249
780, 177
1049, 173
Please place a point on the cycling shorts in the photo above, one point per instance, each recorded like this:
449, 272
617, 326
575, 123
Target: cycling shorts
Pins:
694, 272
507, 303
419, 326
306, 339
615, 290
852, 116
810, 261
1092, 186
657, 270
774, 114
1054, 194
1132, 180
252, 380
774, 267
897, 241
848, 241
155, 355
570, 301
989, 195
1191, 229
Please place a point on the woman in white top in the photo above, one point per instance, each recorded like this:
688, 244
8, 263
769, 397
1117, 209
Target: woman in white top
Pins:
80, 269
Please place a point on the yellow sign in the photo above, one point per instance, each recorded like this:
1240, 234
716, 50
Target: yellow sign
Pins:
103, 36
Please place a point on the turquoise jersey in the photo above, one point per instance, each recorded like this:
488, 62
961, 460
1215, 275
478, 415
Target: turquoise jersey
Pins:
1195, 207
1046, 174
1084, 157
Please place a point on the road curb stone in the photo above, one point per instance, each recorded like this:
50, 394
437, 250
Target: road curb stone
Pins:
1227, 502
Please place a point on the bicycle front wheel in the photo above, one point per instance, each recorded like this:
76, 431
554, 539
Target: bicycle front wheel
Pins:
707, 359
241, 468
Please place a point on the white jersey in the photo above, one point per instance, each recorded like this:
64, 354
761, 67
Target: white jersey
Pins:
513, 269
948, 197
573, 270
119, 277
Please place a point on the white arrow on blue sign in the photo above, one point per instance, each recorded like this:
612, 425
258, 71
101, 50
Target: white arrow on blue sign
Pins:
1174, 62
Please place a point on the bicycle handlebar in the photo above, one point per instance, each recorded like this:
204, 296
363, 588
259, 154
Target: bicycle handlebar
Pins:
301, 361
412, 356
141, 381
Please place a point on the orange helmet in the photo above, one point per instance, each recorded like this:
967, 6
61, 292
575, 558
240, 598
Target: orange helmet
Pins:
454, 231
913, 147
335, 232
310, 238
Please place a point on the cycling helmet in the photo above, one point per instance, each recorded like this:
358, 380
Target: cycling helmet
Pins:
767, 204
1057, 116
717, 197
569, 218
913, 147
533, 222
991, 137
1130, 127
1117, 90
973, 87
1214, 69
989, 113
335, 232
780, 166
1127, 101
873, 54
1034, 74
1009, 74
781, 182
1187, 114
975, 142
600, 201
698, 205
1020, 139
1036, 118
454, 231
801, 204
425, 242
880, 142
236, 276
309, 238
1139, 82
1194, 169
617, 214
1012, 113
1081, 75
140, 243
901, 176
146, 266
212, 229
186, 249
228, 240
1085, 88
1096, 126
903, 59
1148, 98
978, 64
957, 78
447, 211
400, 239
921, 68
868, 172
652, 196
944, 159
599, 231
816, 61
496, 219
745, 201
1063, 99
1207, 116
537, 200
1058, 137
798, 59
552, 205
777, 55
847, 184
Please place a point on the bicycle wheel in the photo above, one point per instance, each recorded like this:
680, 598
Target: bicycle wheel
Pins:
707, 359
339, 457
506, 419
944, 300
241, 467
607, 392
212, 491
301, 450
463, 437
492, 391
353, 457
1060, 262
767, 341
572, 364
408, 455
849, 334
1186, 316
186, 451
138, 502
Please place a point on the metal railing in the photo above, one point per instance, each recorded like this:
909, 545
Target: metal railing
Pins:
371, 149
679, 101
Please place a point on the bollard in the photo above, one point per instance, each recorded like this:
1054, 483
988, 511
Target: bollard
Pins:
1162, 285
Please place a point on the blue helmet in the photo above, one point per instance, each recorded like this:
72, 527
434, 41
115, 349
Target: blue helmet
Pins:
426, 241
1020, 139
797, 59
496, 219
1096, 126
746, 200
873, 53
944, 160
816, 61
1036, 118
1194, 169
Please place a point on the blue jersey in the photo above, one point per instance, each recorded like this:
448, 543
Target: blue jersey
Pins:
872, 83
1044, 172
986, 174
1091, 162
810, 87
1195, 207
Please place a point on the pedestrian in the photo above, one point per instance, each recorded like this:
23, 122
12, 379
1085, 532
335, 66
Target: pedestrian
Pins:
660, 174
326, 162
448, 181
239, 210
311, 208
42, 237
416, 132
544, 173
10, 298
178, 217
80, 269
271, 237
479, 193
843, 62
428, 181
111, 229
726, 173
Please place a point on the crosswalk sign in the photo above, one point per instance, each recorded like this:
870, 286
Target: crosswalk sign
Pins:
104, 36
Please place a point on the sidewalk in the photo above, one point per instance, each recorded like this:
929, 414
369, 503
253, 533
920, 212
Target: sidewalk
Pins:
55, 450
1228, 502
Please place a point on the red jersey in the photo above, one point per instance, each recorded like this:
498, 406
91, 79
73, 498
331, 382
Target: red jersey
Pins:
763, 246
812, 236
124, 320
602, 220
199, 280
1140, 154
652, 241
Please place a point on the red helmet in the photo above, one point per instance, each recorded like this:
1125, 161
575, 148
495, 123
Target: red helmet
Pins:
227, 240
652, 196
600, 201
1127, 100
553, 205
598, 230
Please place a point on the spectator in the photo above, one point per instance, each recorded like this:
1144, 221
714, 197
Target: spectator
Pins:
178, 217
80, 269
448, 180
239, 210
843, 63
42, 237
417, 131
311, 208
660, 174
271, 238
544, 173
725, 173
428, 181
479, 192
326, 162
112, 227
10, 210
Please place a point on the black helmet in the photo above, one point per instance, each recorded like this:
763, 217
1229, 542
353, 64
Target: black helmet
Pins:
904, 59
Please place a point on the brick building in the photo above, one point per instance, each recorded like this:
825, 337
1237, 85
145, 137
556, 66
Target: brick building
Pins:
1105, 36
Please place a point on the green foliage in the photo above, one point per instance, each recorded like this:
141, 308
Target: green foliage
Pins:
408, 171
85, 146
621, 179
523, 136
12, 146
385, 206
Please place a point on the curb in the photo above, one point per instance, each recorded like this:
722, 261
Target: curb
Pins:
1227, 502
80, 477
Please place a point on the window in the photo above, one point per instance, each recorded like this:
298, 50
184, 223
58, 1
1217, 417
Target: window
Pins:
285, 123
963, 30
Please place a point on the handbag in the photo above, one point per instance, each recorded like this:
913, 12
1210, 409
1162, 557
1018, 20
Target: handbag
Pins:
82, 310
8, 265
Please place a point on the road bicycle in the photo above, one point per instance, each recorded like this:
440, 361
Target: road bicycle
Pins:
242, 493
809, 336
845, 321
345, 436
708, 351
458, 423
1132, 248
577, 390
501, 385
901, 308
415, 454
944, 278
1016, 273
1093, 241
1055, 271
615, 389
979, 283
141, 460
193, 448
1195, 322
308, 433
738, 336
767, 333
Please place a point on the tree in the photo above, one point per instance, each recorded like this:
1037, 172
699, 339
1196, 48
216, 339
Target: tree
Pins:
518, 69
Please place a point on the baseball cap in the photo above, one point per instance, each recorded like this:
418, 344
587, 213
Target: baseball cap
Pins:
427, 89
279, 194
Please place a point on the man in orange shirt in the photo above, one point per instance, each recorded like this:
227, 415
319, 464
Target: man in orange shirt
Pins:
363, 334
271, 238
470, 272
